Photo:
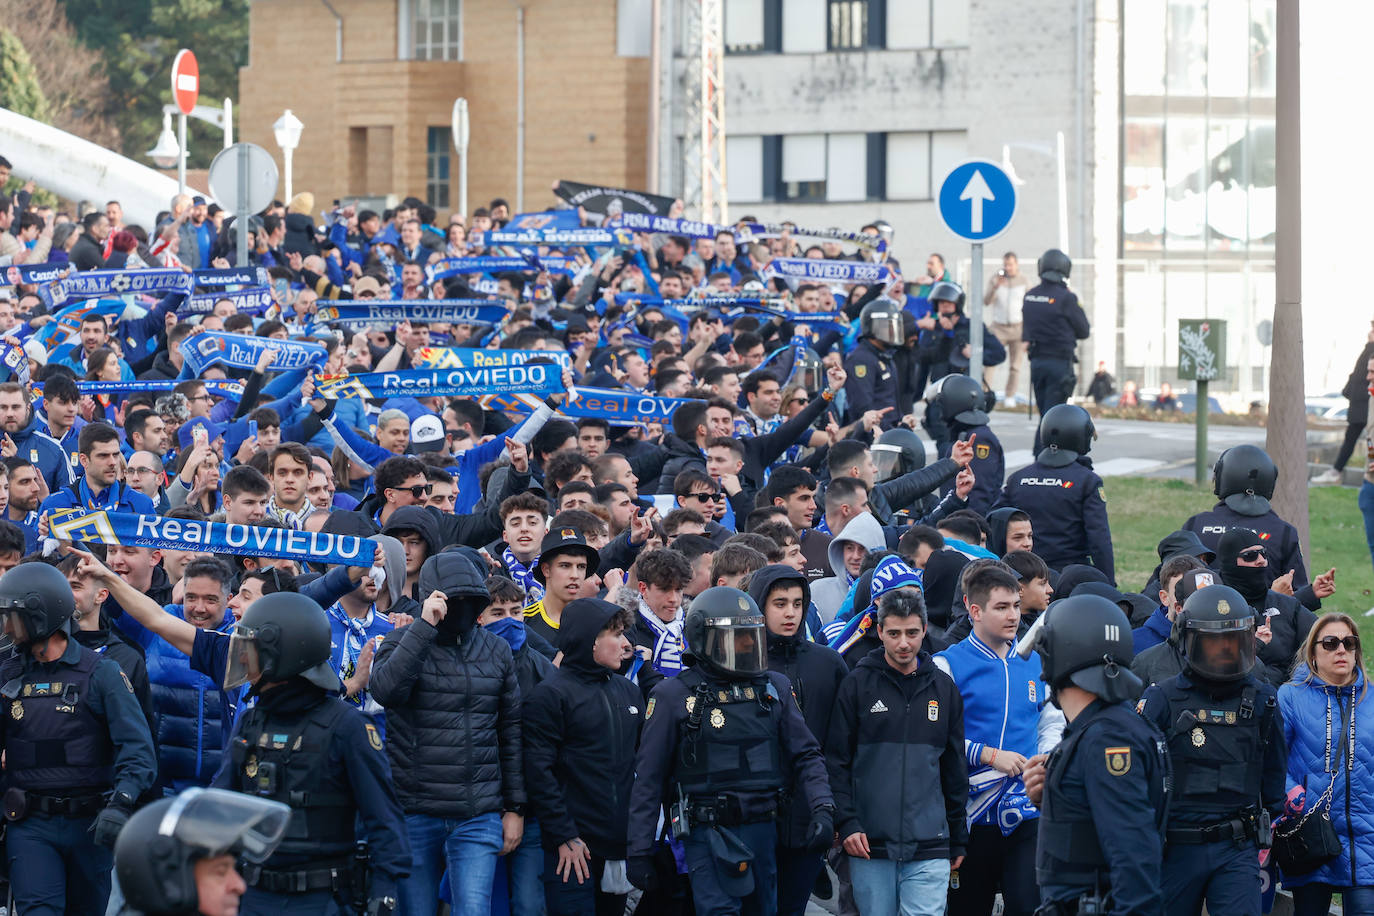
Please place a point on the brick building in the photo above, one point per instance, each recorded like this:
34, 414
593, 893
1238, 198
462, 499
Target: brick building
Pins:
375, 89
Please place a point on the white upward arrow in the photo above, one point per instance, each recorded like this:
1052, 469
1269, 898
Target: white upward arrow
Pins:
975, 192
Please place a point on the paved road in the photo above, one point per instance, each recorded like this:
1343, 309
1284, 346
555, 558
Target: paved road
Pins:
1125, 447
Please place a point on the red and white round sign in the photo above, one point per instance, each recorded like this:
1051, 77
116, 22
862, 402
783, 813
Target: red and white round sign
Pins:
185, 80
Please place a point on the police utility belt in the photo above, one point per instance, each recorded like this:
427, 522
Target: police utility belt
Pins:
1250, 824
724, 810
20, 804
334, 876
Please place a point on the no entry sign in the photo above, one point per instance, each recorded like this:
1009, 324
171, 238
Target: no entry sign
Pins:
185, 80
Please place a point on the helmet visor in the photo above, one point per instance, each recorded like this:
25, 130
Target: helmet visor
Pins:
735, 644
220, 822
16, 626
244, 667
890, 462
1221, 655
886, 326
808, 372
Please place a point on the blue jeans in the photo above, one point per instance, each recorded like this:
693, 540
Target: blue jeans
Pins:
55, 866
519, 885
883, 887
1367, 510
468, 849
1315, 899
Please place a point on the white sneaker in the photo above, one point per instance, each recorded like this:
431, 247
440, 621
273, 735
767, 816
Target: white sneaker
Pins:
1327, 478
1009, 402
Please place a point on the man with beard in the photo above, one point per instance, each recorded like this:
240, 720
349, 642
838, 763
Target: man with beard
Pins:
26, 492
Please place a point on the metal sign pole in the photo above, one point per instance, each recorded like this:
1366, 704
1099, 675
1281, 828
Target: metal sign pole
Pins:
974, 296
241, 208
181, 158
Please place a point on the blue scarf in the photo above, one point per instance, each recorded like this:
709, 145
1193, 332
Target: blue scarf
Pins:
540, 379
389, 311
355, 637
16, 274
66, 324
14, 364
620, 408
251, 301
94, 284
647, 222
583, 236
219, 278
751, 231
467, 357
511, 629
218, 387
156, 533
522, 576
457, 267
828, 271
242, 351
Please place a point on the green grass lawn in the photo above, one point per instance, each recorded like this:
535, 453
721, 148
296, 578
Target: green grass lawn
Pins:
1143, 510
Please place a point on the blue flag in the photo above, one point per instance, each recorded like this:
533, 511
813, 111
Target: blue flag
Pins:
536, 380
156, 533
242, 351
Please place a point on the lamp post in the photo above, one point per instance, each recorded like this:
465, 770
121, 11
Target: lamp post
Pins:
287, 132
167, 152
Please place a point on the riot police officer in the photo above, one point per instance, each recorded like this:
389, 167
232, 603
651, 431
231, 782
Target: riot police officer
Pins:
962, 404
178, 856
1052, 323
941, 344
898, 452
1243, 480
1063, 496
721, 743
302, 745
872, 374
1102, 792
1225, 738
77, 747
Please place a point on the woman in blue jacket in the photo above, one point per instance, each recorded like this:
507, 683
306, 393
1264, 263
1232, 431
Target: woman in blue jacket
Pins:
1329, 723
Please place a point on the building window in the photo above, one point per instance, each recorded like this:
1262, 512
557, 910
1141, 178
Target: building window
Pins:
803, 168
918, 161
436, 29
855, 24
753, 26
436, 167
809, 168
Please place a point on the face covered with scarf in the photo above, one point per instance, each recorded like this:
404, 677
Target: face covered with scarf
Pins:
1244, 565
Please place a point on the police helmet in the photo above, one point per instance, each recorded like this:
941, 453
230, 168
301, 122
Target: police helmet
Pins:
36, 601
807, 371
962, 399
898, 451
1066, 432
1244, 478
156, 853
280, 636
881, 320
1216, 632
947, 291
723, 632
1085, 641
1054, 265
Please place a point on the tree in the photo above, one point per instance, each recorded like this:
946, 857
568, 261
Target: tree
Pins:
138, 39
67, 72
19, 89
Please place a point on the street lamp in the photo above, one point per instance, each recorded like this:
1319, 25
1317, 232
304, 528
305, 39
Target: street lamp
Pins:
167, 153
287, 132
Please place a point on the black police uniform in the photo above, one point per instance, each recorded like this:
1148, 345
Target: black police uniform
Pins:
1280, 538
75, 740
1052, 323
871, 383
1068, 511
988, 465
729, 748
1100, 815
1229, 766
324, 758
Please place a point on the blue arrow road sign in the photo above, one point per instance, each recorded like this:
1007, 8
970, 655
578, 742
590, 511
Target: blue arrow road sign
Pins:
977, 200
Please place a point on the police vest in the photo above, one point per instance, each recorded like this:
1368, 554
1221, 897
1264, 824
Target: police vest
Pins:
729, 740
1067, 849
54, 743
288, 761
1217, 748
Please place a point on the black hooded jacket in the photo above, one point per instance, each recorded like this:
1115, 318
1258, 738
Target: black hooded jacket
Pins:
453, 703
682, 456
1288, 620
815, 672
581, 731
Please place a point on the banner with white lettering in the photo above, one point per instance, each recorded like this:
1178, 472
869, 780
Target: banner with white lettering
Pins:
472, 357
823, 271
219, 278
646, 222
242, 351
94, 284
389, 311
539, 379
252, 301
612, 201
620, 408
157, 533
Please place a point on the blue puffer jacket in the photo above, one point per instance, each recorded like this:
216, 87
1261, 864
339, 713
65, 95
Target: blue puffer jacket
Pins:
1305, 702
187, 709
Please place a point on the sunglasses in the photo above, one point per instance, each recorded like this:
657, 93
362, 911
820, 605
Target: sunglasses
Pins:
1252, 555
705, 497
1350, 643
420, 489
